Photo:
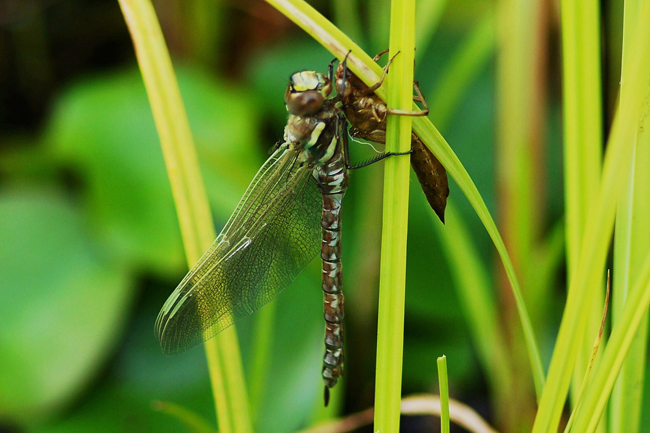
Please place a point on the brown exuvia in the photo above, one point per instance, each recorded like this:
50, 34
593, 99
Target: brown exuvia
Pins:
367, 113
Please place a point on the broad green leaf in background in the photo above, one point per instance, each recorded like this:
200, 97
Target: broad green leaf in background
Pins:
62, 307
104, 127
119, 408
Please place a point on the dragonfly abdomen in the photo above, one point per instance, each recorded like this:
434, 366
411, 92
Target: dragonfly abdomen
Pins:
333, 306
333, 181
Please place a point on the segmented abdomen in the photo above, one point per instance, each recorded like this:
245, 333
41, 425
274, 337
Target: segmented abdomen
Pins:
332, 288
432, 176
333, 180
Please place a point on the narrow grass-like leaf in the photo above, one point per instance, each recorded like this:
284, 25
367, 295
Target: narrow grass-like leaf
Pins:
443, 382
582, 112
224, 359
328, 35
262, 344
594, 352
607, 370
582, 117
392, 275
595, 242
632, 239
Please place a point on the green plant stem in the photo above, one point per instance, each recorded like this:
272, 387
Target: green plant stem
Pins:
262, 345
224, 359
582, 115
392, 276
443, 382
630, 246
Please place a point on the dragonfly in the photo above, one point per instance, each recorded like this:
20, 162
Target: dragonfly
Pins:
367, 114
289, 213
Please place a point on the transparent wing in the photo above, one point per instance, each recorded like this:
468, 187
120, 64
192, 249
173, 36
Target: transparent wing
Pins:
272, 235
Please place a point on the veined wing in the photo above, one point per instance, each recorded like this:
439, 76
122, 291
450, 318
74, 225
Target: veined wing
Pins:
272, 235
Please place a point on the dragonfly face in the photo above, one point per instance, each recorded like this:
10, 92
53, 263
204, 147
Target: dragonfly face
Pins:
307, 92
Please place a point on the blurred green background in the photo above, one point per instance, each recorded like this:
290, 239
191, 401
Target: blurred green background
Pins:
89, 240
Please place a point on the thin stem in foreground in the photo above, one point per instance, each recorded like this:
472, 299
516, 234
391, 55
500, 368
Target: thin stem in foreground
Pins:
224, 359
390, 335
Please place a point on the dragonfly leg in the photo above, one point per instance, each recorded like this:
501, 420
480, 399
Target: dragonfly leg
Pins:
376, 115
416, 86
330, 69
346, 150
370, 90
345, 75
418, 98
379, 55
378, 158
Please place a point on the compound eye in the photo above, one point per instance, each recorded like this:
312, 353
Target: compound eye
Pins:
305, 103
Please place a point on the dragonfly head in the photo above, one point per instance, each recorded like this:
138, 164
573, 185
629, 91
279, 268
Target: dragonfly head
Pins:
307, 92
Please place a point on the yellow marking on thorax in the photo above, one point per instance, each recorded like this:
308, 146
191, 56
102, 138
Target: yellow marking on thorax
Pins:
315, 134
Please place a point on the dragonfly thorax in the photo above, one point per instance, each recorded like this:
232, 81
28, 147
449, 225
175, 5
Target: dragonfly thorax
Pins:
315, 135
